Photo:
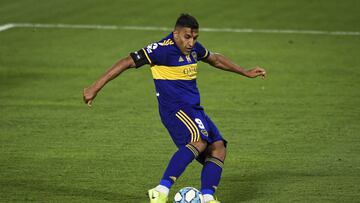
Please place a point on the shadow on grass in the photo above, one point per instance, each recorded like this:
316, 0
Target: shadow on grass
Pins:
45, 191
241, 188
246, 187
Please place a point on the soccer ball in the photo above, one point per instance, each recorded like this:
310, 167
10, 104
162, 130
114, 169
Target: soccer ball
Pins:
188, 195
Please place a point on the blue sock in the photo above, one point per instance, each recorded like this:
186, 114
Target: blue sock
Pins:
210, 175
178, 163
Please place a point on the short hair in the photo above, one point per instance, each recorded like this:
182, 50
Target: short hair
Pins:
186, 20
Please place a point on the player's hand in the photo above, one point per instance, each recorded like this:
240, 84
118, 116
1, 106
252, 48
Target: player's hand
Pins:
89, 95
255, 72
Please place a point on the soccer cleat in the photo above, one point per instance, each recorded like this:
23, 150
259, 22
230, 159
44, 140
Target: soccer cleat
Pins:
213, 201
157, 197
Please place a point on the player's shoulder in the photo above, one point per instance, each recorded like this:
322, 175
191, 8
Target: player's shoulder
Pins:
201, 51
198, 46
167, 41
162, 46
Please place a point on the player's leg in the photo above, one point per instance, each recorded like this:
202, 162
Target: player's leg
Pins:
212, 169
180, 160
177, 165
212, 160
186, 136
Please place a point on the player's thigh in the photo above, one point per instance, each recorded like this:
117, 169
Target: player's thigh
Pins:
217, 144
183, 126
213, 131
193, 121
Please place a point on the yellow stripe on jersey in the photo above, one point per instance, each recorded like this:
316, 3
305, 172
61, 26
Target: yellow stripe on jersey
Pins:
192, 131
206, 53
148, 58
193, 124
186, 72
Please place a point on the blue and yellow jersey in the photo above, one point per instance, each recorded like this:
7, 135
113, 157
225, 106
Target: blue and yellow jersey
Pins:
173, 72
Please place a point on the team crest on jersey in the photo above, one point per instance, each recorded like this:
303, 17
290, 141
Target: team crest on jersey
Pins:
188, 58
166, 42
204, 132
151, 47
194, 55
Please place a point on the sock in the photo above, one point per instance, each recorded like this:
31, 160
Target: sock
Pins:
163, 189
210, 175
208, 197
178, 163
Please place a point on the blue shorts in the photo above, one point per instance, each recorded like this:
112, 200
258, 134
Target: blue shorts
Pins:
189, 124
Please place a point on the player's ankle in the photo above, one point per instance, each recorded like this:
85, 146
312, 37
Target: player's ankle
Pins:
208, 197
162, 189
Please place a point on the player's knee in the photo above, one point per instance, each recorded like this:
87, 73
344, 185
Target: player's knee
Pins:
200, 145
218, 150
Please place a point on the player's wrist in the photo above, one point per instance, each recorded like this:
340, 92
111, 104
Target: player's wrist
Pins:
248, 73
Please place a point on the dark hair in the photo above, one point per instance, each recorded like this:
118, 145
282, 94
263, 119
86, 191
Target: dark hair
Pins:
186, 20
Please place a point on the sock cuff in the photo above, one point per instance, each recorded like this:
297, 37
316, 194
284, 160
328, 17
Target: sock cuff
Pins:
162, 189
166, 183
193, 150
215, 160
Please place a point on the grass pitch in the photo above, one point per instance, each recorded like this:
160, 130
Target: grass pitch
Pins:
293, 137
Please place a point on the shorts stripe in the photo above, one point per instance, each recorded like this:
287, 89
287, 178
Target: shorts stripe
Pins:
188, 126
197, 134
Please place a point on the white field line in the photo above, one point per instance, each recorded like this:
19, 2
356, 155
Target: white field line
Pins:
145, 28
6, 27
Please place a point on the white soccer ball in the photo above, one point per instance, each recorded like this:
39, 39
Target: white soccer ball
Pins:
188, 195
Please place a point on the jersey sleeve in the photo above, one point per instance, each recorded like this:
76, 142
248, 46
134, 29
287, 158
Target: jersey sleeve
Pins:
201, 51
146, 55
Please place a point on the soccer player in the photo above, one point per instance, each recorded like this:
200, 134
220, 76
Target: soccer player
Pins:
173, 61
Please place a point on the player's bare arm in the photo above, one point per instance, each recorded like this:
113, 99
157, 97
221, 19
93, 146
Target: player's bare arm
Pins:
91, 91
221, 62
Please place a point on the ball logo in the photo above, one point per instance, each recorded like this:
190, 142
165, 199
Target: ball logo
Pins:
189, 195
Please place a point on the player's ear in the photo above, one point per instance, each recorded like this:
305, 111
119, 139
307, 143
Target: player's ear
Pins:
176, 34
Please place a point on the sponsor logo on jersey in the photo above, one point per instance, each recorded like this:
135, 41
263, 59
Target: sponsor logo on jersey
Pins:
191, 71
181, 59
166, 42
151, 47
137, 55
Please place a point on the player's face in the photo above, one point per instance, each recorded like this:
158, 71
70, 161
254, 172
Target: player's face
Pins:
185, 39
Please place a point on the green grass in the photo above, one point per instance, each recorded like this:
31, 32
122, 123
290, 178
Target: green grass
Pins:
293, 137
